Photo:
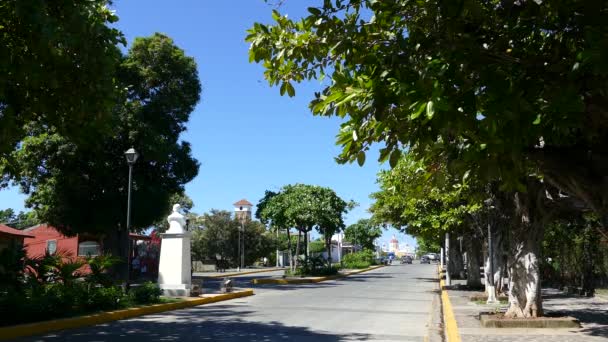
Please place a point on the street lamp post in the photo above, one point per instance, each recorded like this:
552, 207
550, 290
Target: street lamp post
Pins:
243, 248
131, 156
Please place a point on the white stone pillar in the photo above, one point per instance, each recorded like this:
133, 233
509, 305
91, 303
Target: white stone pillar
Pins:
175, 269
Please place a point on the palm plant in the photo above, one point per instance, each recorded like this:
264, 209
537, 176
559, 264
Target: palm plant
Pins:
100, 266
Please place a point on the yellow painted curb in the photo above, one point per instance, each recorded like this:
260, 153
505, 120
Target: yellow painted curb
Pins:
38, 328
240, 273
311, 280
451, 328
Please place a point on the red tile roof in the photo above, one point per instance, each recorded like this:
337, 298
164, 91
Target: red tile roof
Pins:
243, 202
12, 231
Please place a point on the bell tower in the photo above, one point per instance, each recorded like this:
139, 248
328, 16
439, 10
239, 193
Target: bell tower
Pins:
242, 210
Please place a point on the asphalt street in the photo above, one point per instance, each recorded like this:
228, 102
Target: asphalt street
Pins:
388, 304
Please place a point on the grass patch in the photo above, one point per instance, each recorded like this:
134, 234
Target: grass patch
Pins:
167, 300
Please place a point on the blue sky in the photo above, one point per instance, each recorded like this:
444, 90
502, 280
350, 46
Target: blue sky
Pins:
246, 136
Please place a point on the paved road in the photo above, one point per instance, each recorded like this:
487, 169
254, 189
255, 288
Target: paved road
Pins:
388, 304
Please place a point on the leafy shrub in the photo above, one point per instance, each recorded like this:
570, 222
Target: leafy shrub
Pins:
362, 259
105, 298
147, 293
315, 267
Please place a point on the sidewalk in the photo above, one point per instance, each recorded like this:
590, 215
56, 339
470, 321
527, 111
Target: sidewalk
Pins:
591, 312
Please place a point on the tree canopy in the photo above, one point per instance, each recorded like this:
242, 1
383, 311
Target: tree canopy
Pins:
364, 232
498, 86
58, 63
83, 188
218, 239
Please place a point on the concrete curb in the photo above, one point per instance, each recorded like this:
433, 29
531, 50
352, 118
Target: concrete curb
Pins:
240, 273
449, 320
22, 330
435, 321
311, 280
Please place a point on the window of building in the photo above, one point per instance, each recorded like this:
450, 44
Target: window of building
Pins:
88, 248
51, 246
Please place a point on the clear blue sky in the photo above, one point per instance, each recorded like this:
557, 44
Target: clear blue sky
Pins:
246, 136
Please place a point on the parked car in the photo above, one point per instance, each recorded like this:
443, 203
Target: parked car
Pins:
406, 259
425, 260
433, 256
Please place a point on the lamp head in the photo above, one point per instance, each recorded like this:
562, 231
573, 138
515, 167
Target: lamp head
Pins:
131, 156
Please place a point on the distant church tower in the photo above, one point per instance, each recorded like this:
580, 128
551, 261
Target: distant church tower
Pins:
394, 245
242, 210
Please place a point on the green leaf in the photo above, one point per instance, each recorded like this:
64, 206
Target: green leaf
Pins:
314, 11
276, 15
394, 158
418, 111
537, 121
430, 110
361, 158
290, 91
283, 87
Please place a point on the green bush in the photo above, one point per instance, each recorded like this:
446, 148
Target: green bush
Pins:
315, 267
105, 298
147, 293
362, 259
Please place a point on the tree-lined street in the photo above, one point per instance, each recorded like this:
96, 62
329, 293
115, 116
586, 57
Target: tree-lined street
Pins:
389, 304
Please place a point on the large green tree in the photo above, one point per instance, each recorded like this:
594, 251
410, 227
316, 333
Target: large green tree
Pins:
504, 89
514, 82
58, 64
83, 187
364, 232
218, 239
304, 207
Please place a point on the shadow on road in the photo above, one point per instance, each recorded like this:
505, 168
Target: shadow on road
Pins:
198, 324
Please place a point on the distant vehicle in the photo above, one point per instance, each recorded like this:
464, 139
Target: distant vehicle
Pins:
433, 256
425, 260
406, 259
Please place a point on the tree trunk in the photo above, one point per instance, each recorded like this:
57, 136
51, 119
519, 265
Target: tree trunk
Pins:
295, 264
456, 268
328, 248
472, 246
589, 251
290, 252
498, 264
116, 244
524, 274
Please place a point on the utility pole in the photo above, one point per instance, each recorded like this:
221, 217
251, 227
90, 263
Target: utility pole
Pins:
448, 279
277, 255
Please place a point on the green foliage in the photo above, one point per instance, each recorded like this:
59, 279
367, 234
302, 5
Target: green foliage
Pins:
316, 246
363, 233
161, 93
305, 207
47, 287
362, 259
20, 221
104, 298
315, 266
497, 87
146, 293
58, 63
426, 246
424, 199
218, 239
100, 267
